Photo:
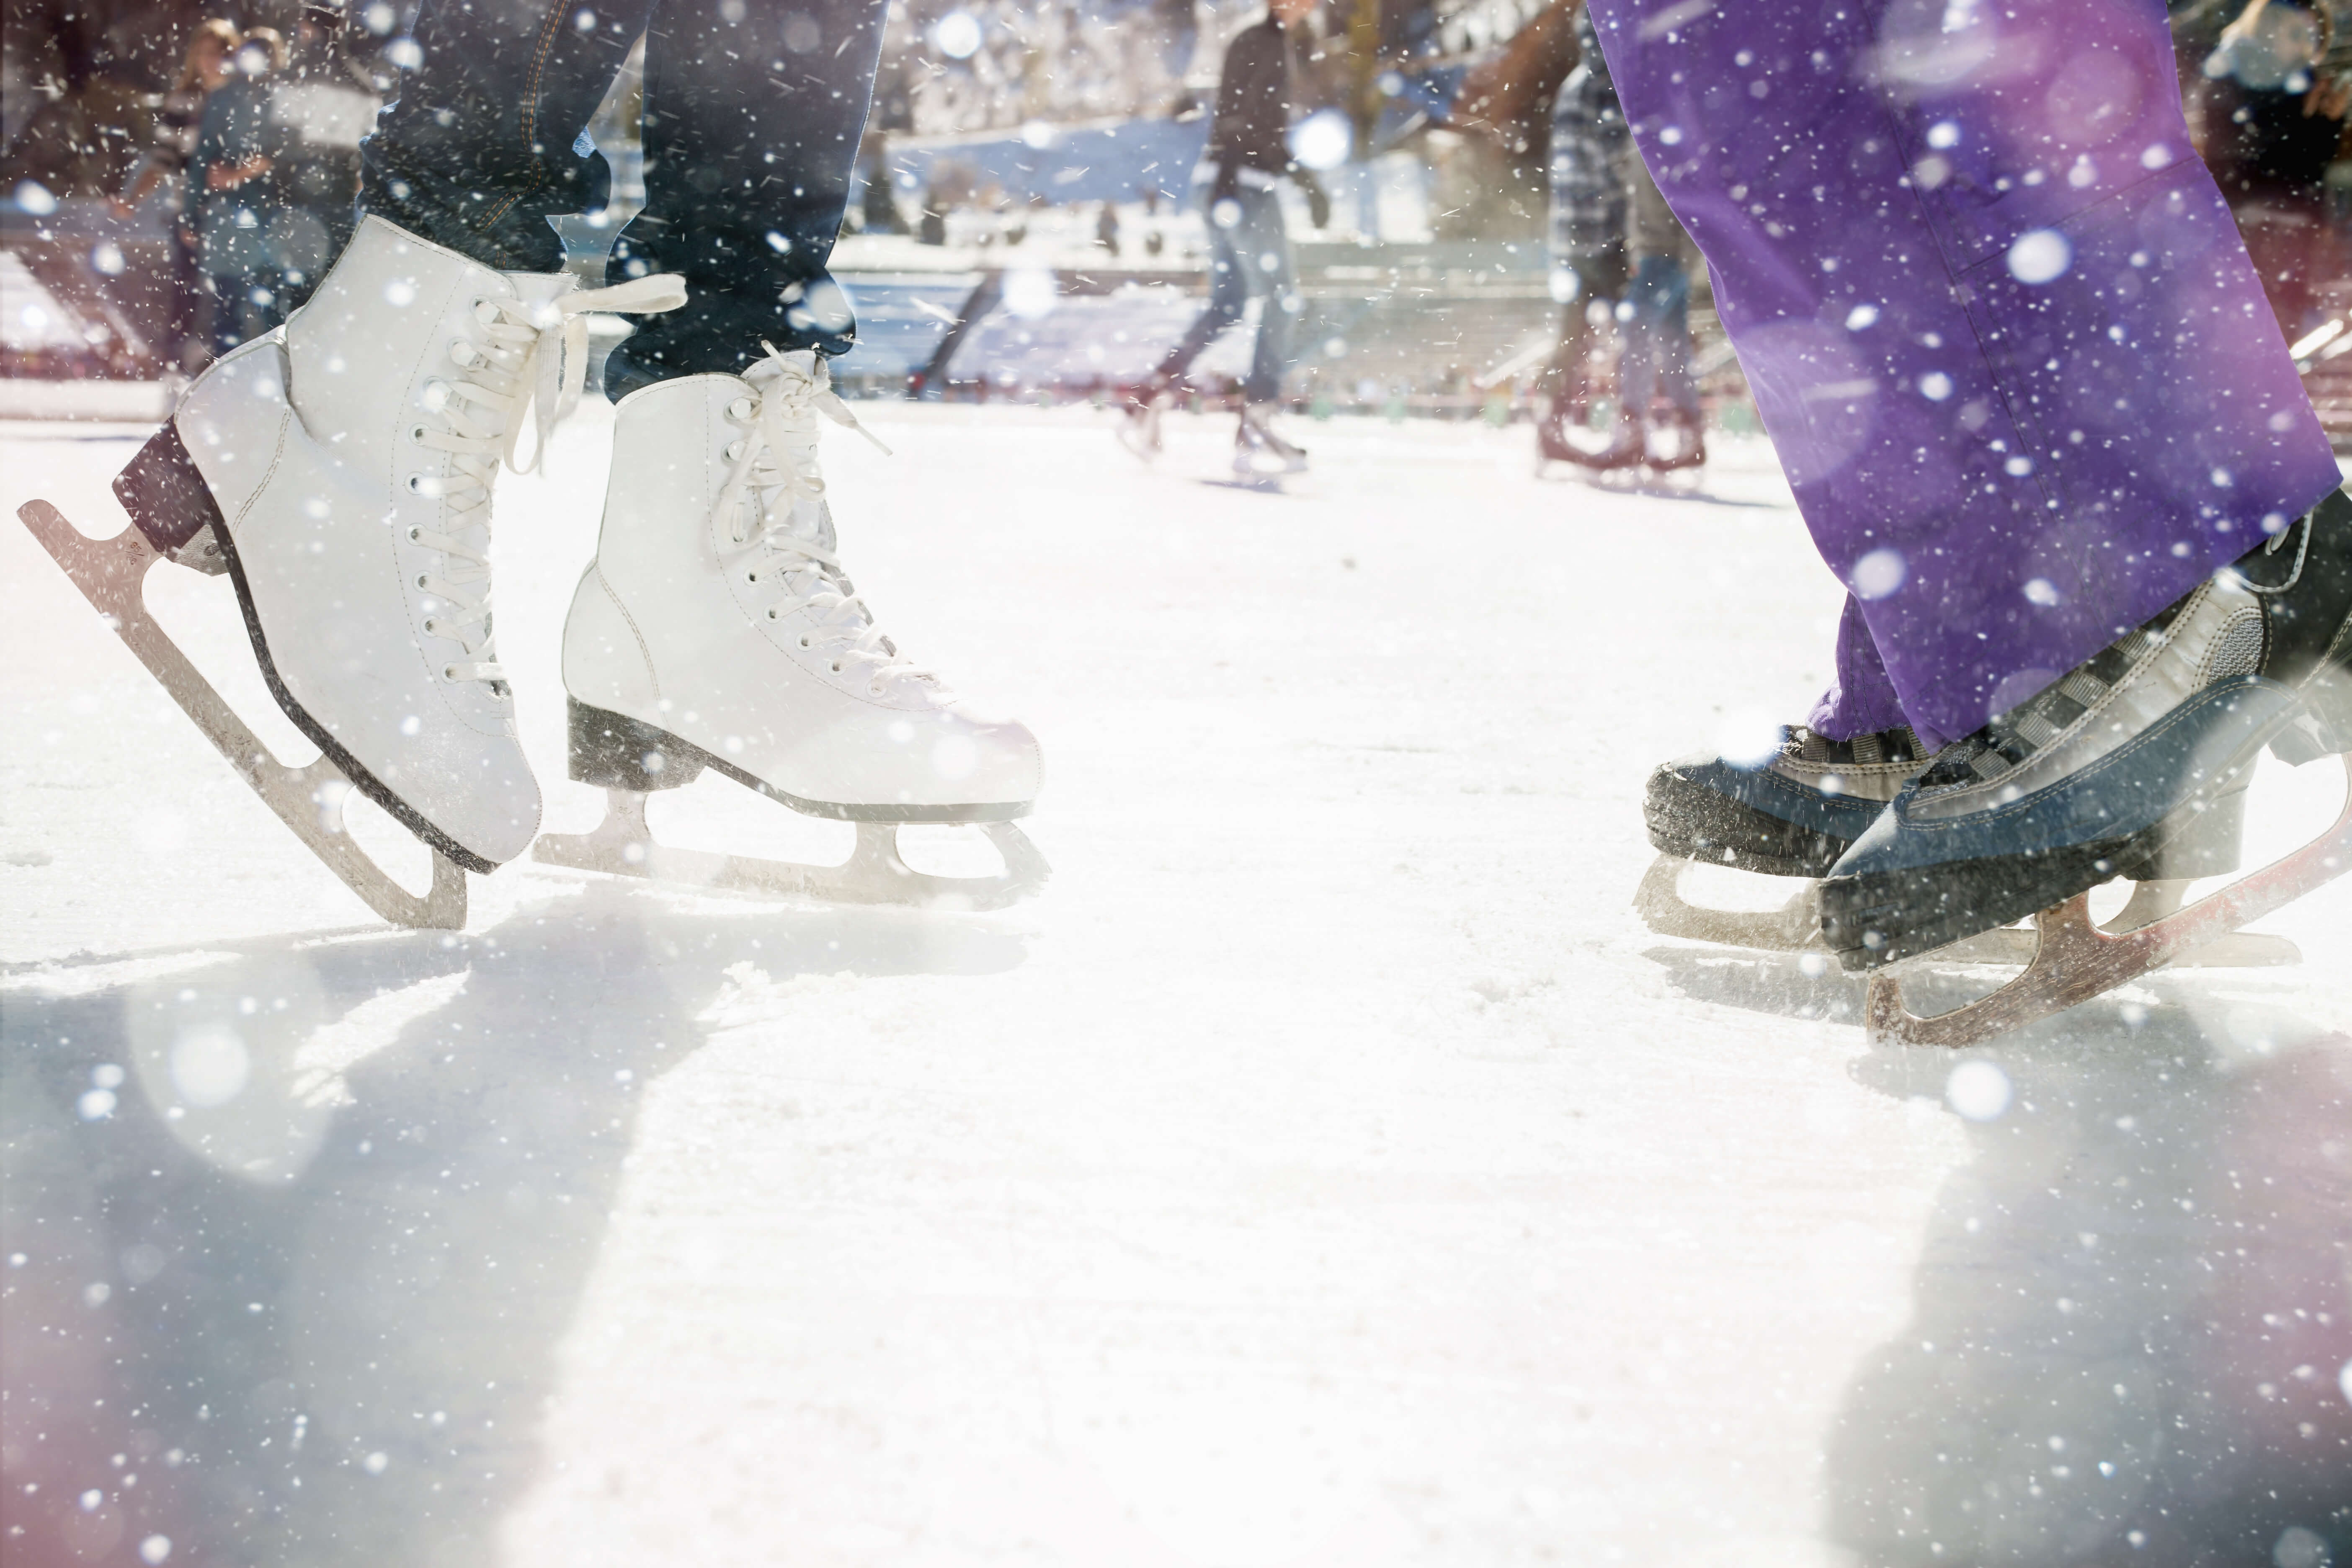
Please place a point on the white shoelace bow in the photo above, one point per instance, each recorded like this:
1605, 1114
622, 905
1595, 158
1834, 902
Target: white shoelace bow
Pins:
521, 353
776, 461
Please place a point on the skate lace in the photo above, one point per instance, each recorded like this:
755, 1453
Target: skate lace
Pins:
517, 353
774, 462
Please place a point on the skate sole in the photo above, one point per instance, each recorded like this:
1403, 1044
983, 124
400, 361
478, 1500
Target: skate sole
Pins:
162, 471
612, 750
309, 800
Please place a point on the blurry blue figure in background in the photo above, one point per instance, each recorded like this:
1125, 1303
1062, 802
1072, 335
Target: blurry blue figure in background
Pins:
238, 145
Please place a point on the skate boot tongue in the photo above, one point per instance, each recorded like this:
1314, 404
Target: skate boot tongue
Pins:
531, 349
772, 508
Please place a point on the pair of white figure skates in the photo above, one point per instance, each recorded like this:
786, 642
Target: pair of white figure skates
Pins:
341, 471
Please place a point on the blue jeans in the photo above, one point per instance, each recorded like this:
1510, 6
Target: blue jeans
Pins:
1656, 360
1251, 256
752, 126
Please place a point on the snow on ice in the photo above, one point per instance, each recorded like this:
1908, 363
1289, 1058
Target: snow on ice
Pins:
1328, 1167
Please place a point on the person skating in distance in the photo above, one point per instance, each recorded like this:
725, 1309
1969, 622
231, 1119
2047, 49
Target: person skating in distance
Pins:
2036, 416
1617, 254
1247, 157
343, 469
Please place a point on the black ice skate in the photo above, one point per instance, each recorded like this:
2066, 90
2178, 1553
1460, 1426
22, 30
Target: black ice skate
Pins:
2132, 765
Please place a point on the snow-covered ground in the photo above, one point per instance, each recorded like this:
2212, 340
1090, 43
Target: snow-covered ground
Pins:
1328, 1169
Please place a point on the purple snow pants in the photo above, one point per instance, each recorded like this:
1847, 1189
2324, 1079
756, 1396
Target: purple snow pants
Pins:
1997, 320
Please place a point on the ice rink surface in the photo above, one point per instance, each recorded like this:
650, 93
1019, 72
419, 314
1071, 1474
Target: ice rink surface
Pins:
1328, 1169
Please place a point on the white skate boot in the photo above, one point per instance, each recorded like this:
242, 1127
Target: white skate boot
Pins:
716, 630
341, 470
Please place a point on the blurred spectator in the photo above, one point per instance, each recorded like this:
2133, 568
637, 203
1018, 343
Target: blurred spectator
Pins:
238, 145
209, 66
1618, 254
162, 171
320, 109
2267, 93
82, 85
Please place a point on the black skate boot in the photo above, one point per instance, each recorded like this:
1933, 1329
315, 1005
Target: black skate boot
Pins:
1794, 816
2130, 765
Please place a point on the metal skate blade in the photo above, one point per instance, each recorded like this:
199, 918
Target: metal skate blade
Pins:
111, 573
1794, 926
2074, 961
623, 846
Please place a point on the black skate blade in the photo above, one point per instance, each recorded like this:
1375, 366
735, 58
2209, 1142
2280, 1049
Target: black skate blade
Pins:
110, 573
624, 845
2074, 961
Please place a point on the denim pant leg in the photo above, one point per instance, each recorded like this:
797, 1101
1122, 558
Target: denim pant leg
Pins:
1228, 292
1657, 339
1264, 241
751, 134
482, 145
1997, 319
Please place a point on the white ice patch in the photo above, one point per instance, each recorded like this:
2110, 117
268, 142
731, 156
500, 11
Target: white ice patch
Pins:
210, 1065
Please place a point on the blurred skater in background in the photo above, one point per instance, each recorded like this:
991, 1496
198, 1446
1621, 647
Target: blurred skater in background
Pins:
1619, 257
238, 145
1247, 157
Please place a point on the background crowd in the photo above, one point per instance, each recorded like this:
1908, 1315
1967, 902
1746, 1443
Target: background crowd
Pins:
193, 164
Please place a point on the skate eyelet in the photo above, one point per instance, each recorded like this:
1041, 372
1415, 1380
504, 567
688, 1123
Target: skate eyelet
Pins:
448, 672
734, 450
750, 576
805, 642
771, 616
418, 434
415, 536
416, 484
740, 410
836, 670
432, 627
420, 579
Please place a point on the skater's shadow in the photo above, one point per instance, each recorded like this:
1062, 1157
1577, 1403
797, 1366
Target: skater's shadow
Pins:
296, 1226
2131, 1325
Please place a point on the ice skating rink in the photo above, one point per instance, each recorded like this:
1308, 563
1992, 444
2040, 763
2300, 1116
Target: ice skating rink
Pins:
1328, 1169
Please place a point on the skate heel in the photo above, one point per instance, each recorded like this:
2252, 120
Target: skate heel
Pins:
168, 499
2323, 728
614, 752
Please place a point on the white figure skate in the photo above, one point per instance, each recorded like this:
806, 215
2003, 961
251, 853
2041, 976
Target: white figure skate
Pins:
340, 471
716, 630
1259, 452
